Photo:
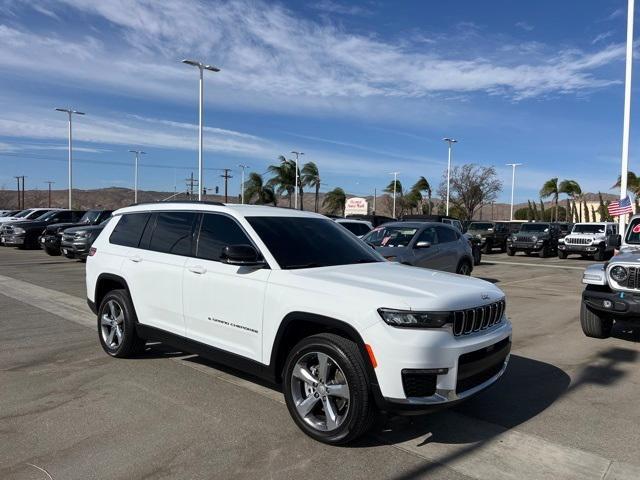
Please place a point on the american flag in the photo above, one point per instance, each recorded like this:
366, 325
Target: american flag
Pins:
620, 207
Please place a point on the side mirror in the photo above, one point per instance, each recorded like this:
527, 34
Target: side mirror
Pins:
614, 241
423, 245
242, 255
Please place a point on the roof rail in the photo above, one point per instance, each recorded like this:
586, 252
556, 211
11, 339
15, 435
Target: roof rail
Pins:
199, 202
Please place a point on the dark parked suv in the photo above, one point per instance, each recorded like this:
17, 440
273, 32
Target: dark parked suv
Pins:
491, 235
51, 238
76, 241
539, 238
25, 234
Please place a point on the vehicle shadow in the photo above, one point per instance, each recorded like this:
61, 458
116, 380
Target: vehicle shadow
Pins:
527, 389
626, 331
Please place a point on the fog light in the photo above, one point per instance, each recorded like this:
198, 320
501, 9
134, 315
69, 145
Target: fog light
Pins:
607, 304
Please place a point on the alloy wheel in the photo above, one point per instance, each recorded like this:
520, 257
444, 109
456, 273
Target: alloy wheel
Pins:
320, 391
112, 325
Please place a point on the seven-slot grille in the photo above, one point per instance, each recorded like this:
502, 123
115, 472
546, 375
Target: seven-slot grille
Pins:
577, 241
479, 318
524, 238
7, 230
633, 280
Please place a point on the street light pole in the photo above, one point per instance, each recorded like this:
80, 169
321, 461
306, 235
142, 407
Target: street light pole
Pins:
395, 183
242, 183
135, 173
297, 154
201, 67
513, 184
449, 141
70, 112
49, 182
624, 167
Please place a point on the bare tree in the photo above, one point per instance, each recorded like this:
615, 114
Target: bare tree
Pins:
471, 186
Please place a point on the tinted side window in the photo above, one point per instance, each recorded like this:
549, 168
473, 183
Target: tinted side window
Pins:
129, 229
446, 235
173, 233
428, 235
356, 228
216, 232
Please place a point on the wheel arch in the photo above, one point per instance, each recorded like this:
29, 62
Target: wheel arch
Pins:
107, 282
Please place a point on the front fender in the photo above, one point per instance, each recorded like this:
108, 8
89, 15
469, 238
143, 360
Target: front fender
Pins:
595, 275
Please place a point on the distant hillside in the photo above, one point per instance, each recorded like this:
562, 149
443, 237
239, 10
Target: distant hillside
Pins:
116, 197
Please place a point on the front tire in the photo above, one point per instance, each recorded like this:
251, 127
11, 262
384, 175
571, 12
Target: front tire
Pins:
487, 247
562, 254
511, 252
593, 324
117, 325
327, 389
464, 268
54, 252
600, 255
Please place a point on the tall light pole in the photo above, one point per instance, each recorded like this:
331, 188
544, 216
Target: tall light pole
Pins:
395, 183
297, 154
135, 173
49, 182
624, 167
449, 141
70, 112
243, 167
201, 67
513, 184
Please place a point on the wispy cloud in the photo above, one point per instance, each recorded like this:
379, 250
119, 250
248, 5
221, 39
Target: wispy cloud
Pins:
525, 26
329, 6
601, 37
326, 69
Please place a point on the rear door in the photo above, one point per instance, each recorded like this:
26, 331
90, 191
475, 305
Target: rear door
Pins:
449, 249
154, 269
223, 303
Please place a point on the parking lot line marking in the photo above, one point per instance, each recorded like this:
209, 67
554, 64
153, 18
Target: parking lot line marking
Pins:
504, 454
523, 264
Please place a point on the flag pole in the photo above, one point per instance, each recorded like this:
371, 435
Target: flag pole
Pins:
624, 168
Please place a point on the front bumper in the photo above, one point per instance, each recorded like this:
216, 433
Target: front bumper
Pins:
13, 240
79, 249
618, 304
527, 246
563, 247
455, 368
49, 241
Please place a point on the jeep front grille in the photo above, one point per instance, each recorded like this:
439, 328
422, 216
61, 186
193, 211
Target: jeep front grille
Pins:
577, 241
479, 318
524, 239
633, 280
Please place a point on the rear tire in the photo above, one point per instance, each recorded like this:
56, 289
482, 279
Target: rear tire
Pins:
600, 255
117, 325
306, 392
593, 324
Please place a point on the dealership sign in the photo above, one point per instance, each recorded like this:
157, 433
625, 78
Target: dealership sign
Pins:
356, 206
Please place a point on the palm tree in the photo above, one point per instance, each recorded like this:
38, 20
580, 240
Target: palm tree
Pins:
311, 178
334, 201
254, 188
572, 189
550, 189
284, 178
422, 185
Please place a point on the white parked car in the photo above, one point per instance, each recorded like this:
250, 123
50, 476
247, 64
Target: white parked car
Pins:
358, 227
588, 240
294, 298
28, 214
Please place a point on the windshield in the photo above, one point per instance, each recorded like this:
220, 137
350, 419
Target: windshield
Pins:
44, 216
390, 236
299, 242
480, 226
535, 227
588, 228
356, 228
22, 214
90, 216
633, 232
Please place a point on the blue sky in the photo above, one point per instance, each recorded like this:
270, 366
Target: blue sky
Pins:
363, 88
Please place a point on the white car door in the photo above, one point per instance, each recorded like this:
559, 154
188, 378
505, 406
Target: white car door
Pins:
154, 270
223, 304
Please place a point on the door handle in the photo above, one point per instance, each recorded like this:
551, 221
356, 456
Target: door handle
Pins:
199, 269
136, 258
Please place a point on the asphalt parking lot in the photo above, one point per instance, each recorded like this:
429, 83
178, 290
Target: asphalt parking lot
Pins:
566, 408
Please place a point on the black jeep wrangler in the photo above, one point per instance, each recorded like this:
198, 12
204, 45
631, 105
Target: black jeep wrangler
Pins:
535, 238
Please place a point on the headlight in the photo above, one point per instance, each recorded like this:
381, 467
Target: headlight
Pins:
513, 238
18, 230
561, 240
403, 318
80, 235
534, 239
619, 274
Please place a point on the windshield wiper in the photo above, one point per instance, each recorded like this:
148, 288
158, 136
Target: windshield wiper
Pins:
303, 265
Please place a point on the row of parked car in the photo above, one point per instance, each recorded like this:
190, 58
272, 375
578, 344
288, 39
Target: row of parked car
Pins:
57, 231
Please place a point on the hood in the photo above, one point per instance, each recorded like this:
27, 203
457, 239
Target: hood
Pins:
53, 228
84, 228
475, 231
28, 224
627, 254
393, 285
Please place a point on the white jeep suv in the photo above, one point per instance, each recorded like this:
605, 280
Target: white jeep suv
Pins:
294, 298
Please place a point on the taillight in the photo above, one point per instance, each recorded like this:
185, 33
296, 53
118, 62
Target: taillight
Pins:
92, 251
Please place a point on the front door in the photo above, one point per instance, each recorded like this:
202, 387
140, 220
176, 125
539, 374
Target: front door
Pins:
223, 303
